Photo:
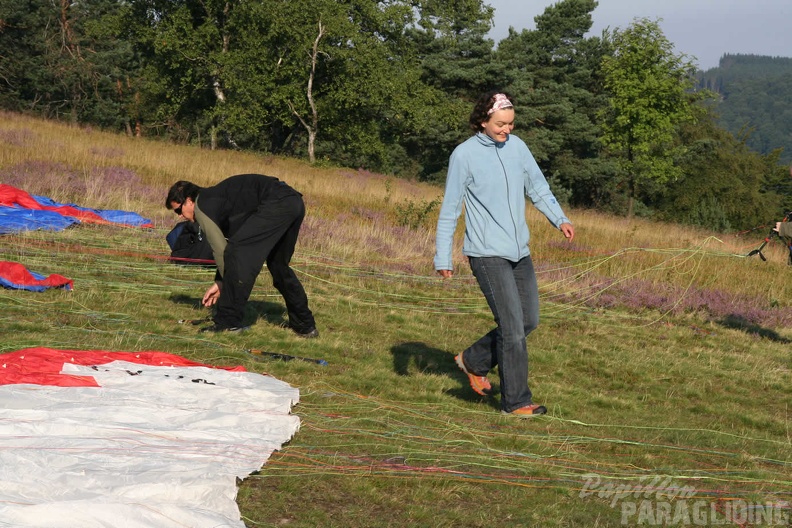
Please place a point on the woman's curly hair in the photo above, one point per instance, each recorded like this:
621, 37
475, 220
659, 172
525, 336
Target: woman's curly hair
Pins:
480, 113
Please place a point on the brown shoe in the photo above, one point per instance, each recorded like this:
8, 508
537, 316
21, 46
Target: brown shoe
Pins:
480, 384
529, 411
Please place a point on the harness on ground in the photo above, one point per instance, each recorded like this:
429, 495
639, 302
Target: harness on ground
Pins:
773, 233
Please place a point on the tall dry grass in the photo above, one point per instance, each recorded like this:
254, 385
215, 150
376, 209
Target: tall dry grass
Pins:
357, 216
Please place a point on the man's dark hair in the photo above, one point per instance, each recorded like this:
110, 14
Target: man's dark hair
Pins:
180, 191
480, 111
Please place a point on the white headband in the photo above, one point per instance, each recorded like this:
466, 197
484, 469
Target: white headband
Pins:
501, 102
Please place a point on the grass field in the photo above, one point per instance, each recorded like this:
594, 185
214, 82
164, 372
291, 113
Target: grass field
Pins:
663, 354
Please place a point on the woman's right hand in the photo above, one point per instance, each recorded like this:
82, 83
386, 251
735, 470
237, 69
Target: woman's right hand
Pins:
446, 274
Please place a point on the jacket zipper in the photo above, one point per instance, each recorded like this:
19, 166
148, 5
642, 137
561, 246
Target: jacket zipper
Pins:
508, 200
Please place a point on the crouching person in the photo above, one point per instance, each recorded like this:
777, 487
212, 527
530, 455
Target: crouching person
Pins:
249, 220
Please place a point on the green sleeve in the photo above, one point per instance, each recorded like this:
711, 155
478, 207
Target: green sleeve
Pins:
215, 237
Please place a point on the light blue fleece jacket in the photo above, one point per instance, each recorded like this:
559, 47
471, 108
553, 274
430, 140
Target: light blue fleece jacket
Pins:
492, 180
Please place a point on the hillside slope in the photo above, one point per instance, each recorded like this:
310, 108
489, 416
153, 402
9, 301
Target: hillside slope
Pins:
662, 353
755, 100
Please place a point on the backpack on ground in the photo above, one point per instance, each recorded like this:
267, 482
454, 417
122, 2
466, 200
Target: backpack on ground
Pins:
189, 245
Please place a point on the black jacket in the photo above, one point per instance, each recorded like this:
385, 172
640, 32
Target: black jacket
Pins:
229, 203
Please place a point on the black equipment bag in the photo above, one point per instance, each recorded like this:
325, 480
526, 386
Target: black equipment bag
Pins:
189, 245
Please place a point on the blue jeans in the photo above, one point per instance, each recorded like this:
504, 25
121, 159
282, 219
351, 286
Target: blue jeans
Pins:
513, 296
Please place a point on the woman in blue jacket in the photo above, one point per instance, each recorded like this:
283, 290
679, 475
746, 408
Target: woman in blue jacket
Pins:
491, 174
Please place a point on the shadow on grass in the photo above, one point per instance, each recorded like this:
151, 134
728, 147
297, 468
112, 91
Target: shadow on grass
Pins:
415, 356
736, 322
272, 313
422, 358
194, 302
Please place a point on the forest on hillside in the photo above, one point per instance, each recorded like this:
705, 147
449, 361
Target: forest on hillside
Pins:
755, 100
615, 121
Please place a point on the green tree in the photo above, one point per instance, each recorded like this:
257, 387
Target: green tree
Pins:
362, 86
62, 59
449, 42
24, 79
649, 97
376, 99
760, 104
183, 91
336, 80
724, 185
363, 91
554, 74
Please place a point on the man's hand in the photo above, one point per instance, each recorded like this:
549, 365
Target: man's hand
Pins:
212, 294
446, 274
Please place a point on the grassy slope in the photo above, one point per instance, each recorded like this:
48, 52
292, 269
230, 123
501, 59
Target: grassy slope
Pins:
662, 354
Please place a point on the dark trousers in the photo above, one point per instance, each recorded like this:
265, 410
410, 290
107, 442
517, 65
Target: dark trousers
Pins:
513, 296
269, 235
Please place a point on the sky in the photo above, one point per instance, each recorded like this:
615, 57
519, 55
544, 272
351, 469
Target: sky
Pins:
704, 29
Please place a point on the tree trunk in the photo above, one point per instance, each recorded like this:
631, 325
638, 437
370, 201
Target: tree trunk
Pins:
311, 145
313, 127
631, 197
631, 183
314, 114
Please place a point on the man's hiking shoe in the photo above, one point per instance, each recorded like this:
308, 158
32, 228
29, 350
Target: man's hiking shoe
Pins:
480, 384
305, 333
311, 333
529, 411
217, 328
308, 334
